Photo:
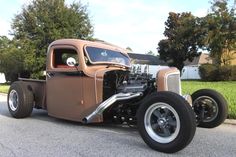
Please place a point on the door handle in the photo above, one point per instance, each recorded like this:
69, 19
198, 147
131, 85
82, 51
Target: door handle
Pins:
50, 75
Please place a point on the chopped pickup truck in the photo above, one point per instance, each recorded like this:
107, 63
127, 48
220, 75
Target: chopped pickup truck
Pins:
91, 82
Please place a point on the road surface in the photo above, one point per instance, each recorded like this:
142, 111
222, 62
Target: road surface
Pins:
41, 135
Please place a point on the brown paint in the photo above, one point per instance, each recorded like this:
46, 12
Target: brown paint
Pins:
161, 75
38, 87
74, 97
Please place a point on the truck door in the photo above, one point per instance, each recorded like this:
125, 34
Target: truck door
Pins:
64, 83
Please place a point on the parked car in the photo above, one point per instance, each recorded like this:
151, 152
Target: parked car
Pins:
2, 78
91, 82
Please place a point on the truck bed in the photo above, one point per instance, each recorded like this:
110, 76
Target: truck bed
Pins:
38, 87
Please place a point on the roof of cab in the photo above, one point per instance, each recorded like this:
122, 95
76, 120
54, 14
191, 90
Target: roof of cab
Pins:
82, 43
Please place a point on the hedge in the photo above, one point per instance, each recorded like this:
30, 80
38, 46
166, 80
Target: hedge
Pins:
210, 72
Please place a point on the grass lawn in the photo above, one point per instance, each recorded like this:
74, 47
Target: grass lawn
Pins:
4, 88
227, 88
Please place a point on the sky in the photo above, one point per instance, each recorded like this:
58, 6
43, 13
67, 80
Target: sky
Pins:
138, 24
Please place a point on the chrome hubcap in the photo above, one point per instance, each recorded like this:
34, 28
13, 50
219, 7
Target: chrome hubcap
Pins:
13, 100
162, 122
209, 105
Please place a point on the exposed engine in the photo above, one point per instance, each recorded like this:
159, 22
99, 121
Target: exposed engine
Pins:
126, 82
134, 83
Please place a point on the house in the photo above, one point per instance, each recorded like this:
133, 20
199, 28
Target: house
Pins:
137, 58
145, 63
229, 57
233, 62
2, 78
191, 69
151, 64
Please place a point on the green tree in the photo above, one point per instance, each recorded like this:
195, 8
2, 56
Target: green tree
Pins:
184, 36
43, 21
221, 35
11, 59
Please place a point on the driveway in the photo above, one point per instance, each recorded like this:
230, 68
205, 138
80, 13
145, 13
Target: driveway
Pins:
41, 135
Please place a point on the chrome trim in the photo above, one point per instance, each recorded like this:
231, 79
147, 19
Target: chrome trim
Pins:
188, 98
13, 100
104, 105
166, 84
208, 101
165, 123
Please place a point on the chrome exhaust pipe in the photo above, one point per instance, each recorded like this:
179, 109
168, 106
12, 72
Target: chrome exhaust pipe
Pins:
104, 105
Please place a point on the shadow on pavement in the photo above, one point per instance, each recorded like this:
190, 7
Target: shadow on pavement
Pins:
38, 114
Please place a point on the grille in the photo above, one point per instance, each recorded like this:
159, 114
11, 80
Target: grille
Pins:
173, 83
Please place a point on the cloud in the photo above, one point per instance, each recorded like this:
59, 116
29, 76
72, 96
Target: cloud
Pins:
23, 2
200, 12
5, 27
136, 24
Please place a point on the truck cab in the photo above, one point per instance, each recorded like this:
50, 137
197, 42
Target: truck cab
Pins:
75, 73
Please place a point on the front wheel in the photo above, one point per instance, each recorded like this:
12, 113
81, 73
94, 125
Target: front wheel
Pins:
166, 122
210, 107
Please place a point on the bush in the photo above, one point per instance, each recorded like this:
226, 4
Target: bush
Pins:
210, 72
233, 73
224, 73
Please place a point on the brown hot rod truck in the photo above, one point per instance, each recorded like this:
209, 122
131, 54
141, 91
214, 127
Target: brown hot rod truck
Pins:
91, 82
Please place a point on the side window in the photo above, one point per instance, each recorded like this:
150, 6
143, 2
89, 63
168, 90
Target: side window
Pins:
64, 58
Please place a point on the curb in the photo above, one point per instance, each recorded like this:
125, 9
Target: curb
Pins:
3, 94
230, 121
227, 121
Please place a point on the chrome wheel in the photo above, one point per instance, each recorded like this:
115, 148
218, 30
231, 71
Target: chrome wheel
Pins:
206, 107
162, 122
13, 100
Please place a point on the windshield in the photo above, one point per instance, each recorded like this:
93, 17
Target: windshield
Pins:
101, 55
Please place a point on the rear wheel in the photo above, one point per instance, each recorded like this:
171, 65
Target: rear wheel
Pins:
20, 100
166, 122
210, 107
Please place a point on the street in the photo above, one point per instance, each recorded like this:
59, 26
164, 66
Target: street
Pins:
41, 135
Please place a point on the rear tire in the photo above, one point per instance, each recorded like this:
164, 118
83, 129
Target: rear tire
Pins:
20, 100
166, 122
216, 107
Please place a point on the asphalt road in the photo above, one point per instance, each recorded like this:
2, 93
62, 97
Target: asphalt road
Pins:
41, 135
